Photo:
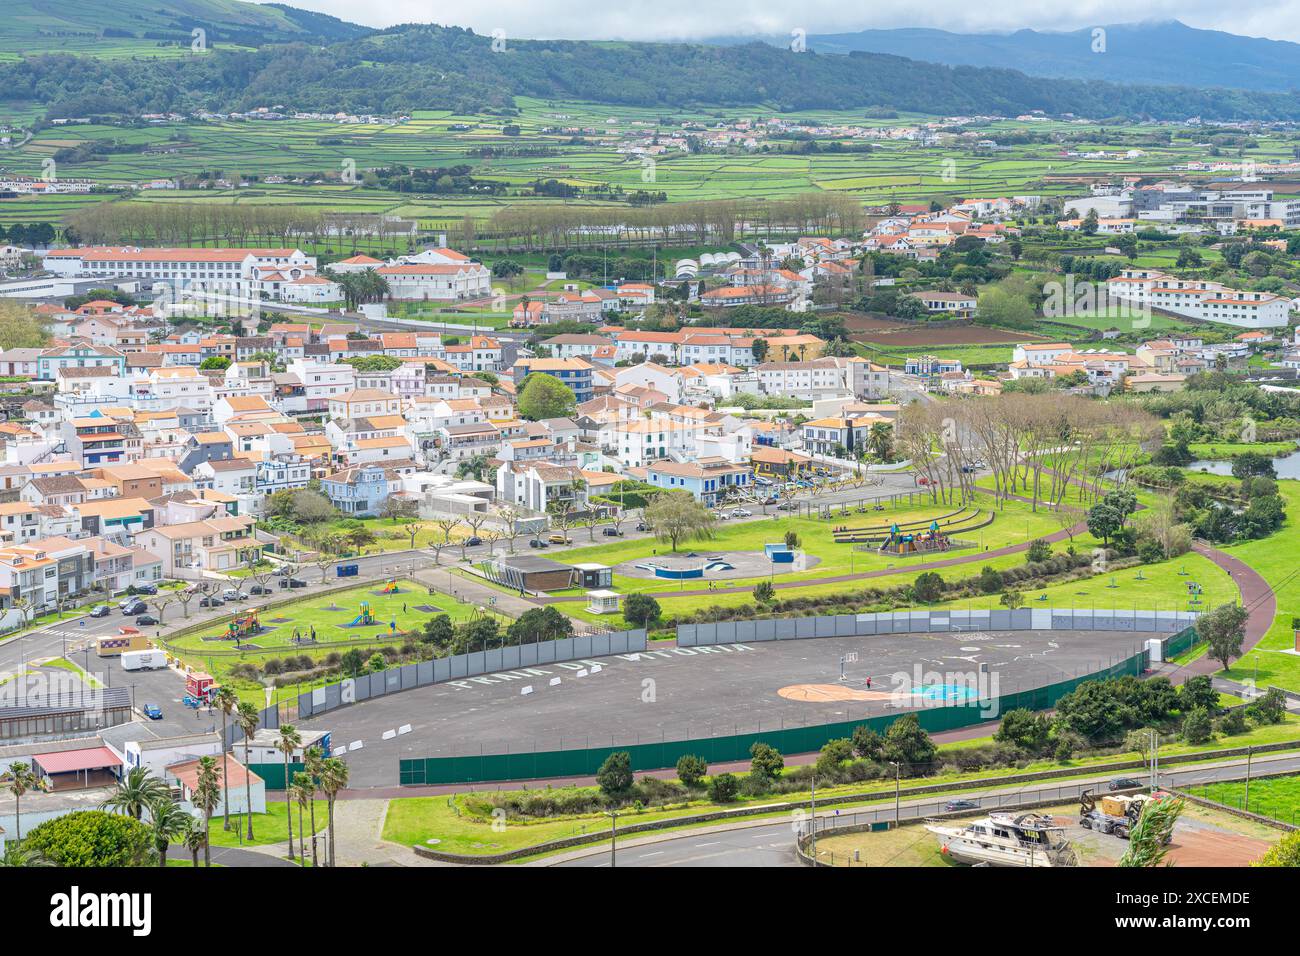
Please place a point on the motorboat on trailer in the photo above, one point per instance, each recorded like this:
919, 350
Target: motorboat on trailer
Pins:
1006, 839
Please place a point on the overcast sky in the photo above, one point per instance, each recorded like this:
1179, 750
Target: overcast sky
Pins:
693, 19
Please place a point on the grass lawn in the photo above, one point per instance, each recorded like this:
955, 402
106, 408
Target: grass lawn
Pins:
62, 663
1276, 797
400, 609
268, 828
1273, 661
1226, 449
416, 820
1013, 523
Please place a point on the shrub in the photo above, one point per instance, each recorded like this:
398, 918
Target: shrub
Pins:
764, 592
1197, 728
990, 580
1269, 709
866, 742
691, 769
95, 838
640, 610
1039, 551
928, 587
833, 755
1231, 723
723, 788
765, 761
615, 775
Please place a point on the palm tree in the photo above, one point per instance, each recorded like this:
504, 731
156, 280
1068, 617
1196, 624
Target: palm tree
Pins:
168, 822
290, 740
333, 778
21, 779
206, 796
16, 855
225, 700
312, 761
300, 791
248, 718
136, 792
193, 837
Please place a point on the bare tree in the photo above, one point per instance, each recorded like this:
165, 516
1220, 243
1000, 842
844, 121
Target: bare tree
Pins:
161, 602
510, 520
475, 520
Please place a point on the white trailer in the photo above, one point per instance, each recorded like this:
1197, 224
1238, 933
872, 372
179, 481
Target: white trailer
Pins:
144, 660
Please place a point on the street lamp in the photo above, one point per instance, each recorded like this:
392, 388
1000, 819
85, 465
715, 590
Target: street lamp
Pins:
613, 836
897, 790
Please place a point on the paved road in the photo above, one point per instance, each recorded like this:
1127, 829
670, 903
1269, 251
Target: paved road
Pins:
772, 844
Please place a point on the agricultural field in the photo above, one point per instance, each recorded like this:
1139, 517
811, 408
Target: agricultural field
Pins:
891, 171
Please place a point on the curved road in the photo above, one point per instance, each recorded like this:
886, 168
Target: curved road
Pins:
770, 843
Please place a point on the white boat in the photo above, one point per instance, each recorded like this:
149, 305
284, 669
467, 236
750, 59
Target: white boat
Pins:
1006, 839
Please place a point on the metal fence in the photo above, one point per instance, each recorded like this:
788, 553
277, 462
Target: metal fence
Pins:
885, 816
913, 622
525, 762
409, 676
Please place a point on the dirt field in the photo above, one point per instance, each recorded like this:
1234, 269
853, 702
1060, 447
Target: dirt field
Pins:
1202, 837
912, 336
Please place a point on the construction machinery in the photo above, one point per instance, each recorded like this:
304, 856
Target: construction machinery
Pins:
1113, 813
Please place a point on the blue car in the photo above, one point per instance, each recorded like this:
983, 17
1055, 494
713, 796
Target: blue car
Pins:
152, 711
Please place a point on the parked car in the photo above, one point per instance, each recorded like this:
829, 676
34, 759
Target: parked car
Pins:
283, 571
1124, 783
150, 589
923, 481
297, 583
135, 608
231, 594
101, 610
212, 601
611, 532
559, 539
642, 526
954, 805
258, 589
742, 513
787, 506
770, 500
473, 541
146, 620
538, 543
152, 711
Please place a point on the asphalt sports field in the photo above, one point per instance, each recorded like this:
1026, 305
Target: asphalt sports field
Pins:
692, 692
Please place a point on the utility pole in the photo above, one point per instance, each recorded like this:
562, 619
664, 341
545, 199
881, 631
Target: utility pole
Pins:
897, 790
1249, 753
813, 819
613, 836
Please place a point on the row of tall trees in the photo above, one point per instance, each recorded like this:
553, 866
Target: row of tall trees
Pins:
537, 227
190, 223
1036, 449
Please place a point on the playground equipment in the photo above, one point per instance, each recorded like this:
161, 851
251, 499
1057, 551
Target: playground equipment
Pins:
390, 587
243, 626
779, 553
365, 618
900, 542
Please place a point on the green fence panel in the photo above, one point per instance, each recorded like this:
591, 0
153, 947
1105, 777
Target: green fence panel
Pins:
583, 762
273, 773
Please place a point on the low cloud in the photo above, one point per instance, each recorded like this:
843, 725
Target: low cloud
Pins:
691, 20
